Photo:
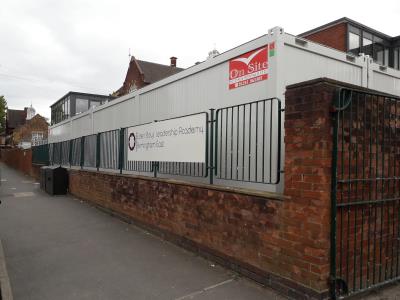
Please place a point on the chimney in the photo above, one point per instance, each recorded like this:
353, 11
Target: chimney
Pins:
173, 61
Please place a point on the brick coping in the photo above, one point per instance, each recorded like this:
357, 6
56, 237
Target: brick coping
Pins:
338, 84
242, 191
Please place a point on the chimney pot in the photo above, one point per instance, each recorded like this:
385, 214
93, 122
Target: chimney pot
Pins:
173, 61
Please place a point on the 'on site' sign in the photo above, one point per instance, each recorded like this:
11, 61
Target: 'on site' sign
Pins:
248, 68
175, 140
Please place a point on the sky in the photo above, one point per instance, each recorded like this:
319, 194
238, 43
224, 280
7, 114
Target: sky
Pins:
51, 47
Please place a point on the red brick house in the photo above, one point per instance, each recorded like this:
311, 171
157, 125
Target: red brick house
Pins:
35, 130
350, 36
141, 73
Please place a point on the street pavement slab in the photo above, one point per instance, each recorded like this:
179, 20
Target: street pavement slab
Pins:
58, 247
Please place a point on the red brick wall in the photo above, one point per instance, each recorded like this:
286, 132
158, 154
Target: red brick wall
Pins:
253, 232
335, 37
308, 158
284, 241
133, 76
21, 160
24, 132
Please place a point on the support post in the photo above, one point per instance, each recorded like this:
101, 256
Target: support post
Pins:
82, 151
52, 154
155, 168
211, 150
98, 151
121, 150
70, 153
60, 156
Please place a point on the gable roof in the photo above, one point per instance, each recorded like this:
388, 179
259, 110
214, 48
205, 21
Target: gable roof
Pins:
15, 118
154, 72
37, 118
149, 73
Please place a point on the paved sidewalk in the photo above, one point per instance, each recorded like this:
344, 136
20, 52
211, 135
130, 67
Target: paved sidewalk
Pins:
62, 248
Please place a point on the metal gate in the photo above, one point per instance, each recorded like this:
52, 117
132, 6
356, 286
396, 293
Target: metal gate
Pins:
365, 232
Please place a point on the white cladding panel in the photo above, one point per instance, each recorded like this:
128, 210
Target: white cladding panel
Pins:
386, 80
205, 86
309, 61
304, 65
199, 93
81, 126
60, 132
115, 115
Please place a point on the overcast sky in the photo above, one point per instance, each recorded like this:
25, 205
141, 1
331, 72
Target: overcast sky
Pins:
50, 47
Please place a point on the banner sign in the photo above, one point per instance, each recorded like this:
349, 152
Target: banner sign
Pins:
176, 140
248, 68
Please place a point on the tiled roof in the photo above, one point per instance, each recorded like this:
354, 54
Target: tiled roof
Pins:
15, 118
154, 72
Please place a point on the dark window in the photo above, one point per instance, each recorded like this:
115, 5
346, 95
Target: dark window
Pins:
82, 105
396, 60
68, 104
367, 45
386, 61
354, 43
94, 104
379, 54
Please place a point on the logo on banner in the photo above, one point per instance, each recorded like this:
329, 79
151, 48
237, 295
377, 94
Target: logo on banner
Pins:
132, 141
248, 68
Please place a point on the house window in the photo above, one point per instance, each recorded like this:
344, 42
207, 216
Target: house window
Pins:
94, 104
379, 52
37, 136
66, 108
57, 112
367, 44
386, 62
354, 43
396, 53
82, 105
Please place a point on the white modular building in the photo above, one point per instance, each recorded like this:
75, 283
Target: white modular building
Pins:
253, 72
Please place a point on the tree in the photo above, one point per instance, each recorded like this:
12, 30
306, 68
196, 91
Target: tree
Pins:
3, 108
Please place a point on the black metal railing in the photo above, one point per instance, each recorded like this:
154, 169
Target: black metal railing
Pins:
248, 142
65, 153
365, 192
56, 154
109, 149
90, 152
75, 158
243, 143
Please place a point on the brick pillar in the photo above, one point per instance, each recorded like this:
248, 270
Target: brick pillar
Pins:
306, 217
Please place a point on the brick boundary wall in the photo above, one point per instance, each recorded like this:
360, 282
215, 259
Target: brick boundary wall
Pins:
239, 229
21, 160
282, 241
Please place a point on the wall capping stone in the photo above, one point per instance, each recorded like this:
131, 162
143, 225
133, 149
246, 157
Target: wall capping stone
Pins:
337, 84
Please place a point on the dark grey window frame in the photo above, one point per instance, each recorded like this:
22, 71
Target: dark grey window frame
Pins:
365, 33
